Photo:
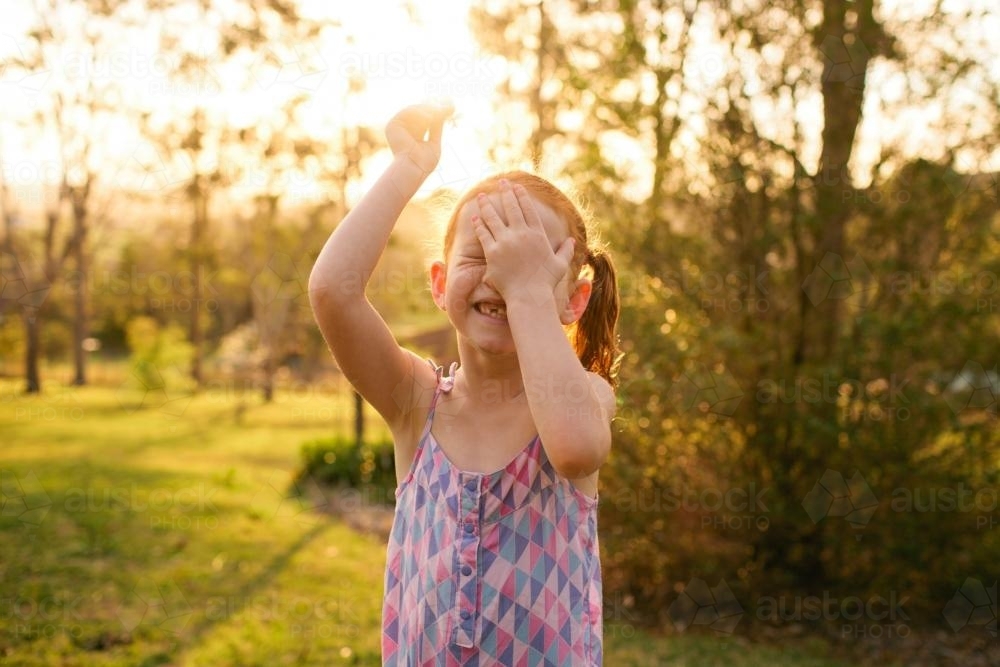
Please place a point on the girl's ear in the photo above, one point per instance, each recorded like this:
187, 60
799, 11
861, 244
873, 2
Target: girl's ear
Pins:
438, 277
578, 301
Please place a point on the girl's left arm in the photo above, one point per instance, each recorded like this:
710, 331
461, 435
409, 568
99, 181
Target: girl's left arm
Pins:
571, 407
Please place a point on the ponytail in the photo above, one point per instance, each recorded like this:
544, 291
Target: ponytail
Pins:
596, 338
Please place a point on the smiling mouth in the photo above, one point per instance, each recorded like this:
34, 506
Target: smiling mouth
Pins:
497, 311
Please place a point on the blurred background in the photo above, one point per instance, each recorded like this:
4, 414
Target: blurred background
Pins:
801, 197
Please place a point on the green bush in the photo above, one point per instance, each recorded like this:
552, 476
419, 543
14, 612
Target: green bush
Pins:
338, 461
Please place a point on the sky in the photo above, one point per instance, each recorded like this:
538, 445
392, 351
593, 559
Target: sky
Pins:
404, 57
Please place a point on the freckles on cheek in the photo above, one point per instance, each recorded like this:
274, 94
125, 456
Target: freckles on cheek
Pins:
456, 303
464, 284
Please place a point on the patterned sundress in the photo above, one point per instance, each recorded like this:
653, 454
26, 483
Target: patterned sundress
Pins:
498, 568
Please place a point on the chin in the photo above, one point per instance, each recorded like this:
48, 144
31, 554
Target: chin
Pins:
492, 345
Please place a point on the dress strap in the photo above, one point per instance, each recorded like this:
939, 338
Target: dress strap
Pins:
444, 384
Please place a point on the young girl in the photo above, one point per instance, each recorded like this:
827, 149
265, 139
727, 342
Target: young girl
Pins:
493, 557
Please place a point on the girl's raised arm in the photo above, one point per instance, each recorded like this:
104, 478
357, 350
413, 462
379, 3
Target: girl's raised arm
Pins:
386, 375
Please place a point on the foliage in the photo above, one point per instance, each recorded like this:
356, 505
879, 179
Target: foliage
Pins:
157, 351
792, 313
338, 461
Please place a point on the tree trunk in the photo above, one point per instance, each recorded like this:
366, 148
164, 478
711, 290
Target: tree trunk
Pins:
33, 384
199, 223
540, 108
359, 420
845, 43
80, 317
268, 389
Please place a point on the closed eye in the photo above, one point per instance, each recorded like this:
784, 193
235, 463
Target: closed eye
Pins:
474, 256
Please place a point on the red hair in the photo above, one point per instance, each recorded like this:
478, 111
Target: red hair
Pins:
594, 336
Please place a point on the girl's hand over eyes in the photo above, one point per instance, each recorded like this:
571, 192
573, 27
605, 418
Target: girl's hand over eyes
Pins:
520, 261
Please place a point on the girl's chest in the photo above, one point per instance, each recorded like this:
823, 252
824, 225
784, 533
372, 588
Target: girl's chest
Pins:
482, 445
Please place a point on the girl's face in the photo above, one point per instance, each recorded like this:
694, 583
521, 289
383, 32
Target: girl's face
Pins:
474, 306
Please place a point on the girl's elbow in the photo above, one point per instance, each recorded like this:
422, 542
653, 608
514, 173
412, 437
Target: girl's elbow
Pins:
329, 288
574, 462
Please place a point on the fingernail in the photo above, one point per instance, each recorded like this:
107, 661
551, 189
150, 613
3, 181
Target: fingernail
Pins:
504, 183
480, 195
475, 218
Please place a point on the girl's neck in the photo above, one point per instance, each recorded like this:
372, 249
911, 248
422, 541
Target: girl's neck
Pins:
489, 379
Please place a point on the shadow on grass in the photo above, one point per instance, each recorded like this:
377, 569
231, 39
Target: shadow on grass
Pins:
259, 583
95, 523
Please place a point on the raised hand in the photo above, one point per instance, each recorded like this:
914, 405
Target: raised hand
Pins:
415, 133
520, 261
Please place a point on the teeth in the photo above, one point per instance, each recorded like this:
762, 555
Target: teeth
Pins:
492, 310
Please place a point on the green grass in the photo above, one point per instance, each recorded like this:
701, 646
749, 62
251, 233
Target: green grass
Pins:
140, 534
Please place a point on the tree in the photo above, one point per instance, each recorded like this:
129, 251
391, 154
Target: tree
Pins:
73, 109
756, 259
272, 39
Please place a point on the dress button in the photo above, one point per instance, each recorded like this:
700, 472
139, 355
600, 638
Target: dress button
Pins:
465, 614
469, 527
466, 570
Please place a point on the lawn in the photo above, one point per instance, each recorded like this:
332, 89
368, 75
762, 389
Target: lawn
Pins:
138, 532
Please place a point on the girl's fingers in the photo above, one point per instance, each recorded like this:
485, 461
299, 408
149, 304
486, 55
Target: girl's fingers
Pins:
437, 123
489, 215
565, 251
482, 232
527, 207
511, 206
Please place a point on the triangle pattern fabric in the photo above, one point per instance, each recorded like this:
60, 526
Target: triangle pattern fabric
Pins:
497, 568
